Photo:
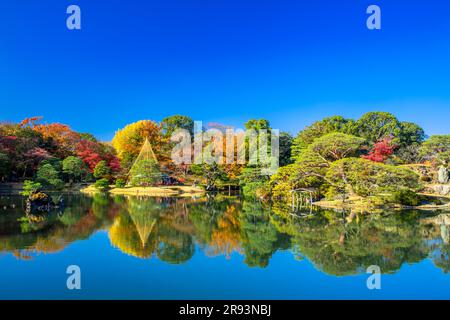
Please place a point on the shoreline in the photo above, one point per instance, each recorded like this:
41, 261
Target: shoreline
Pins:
362, 204
169, 191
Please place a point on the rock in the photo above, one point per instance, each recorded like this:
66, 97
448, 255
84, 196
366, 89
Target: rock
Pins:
443, 175
40, 201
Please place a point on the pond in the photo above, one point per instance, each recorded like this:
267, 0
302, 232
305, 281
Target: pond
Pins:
218, 248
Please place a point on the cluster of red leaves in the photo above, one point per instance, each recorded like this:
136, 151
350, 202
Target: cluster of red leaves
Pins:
93, 152
381, 150
38, 154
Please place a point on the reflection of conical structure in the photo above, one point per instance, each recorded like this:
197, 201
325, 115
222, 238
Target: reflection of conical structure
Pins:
135, 232
144, 225
124, 236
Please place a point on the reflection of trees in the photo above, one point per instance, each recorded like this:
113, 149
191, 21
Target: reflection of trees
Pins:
337, 243
216, 225
222, 226
148, 226
441, 257
27, 234
437, 229
175, 246
342, 247
260, 239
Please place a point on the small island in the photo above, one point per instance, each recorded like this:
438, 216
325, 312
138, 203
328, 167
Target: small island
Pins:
161, 191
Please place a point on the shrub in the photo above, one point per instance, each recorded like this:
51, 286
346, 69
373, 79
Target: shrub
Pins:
73, 167
102, 170
30, 187
120, 183
102, 184
145, 173
48, 175
406, 197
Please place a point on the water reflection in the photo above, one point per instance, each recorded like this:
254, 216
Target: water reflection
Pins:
169, 229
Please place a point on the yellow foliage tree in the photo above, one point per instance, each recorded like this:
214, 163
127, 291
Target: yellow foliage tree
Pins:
129, 140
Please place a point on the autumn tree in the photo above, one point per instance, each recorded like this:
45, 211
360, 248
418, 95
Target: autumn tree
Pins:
129, 140
92, 152
89, 152
33, 157
24, 148
381, 150
61, 136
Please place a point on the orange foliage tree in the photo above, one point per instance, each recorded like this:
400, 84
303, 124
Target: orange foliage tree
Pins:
61, 136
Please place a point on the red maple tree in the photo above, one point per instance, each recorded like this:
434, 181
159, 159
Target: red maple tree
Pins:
93, 152
381, 150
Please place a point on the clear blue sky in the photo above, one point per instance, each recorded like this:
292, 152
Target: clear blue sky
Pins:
289, 61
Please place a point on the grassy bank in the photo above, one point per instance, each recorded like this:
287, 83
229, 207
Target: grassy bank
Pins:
150, 191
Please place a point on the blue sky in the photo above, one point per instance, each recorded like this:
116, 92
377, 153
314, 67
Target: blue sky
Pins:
292, 62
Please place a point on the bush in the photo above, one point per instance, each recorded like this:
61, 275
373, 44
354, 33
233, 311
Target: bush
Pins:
30, 187
48, 175
120, 183
367, 178
73, 167
102, 184
406, 197
102, 170
145, 173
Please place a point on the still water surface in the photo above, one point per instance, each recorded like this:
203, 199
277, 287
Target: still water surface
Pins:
222, 248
